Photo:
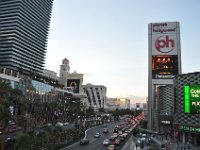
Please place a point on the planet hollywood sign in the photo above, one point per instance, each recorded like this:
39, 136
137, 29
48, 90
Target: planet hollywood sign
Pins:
164, 44
164, 28
164, 38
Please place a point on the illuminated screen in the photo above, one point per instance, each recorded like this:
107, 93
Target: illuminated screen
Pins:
74, 83
164, 67
192, 99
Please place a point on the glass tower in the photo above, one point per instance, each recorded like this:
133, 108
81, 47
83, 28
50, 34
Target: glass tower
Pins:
24, 26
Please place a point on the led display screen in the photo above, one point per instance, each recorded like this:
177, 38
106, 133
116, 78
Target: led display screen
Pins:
164, 67
74, 83
192, 99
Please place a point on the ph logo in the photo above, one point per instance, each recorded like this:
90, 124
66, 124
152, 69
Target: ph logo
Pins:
164, 45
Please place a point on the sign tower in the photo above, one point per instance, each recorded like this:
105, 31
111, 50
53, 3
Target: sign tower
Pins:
164, 62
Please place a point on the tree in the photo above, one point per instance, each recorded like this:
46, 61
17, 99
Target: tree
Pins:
5, 115
23, 142
42, 139
90, 111
58, 133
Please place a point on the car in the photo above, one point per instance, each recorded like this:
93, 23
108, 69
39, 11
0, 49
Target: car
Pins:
125, 135
115, 130
122, 138
59, 124
111, 147
115, 135
10, 138
138, 142
97, 135
112, 138
105, 130
117, 142
66, 123
84, 141
106, 142
49, 124
120, 132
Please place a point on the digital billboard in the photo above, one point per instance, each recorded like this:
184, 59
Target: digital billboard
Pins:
192, 99
74, 83
164, 67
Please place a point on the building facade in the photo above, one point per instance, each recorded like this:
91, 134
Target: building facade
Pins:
187, 108
165, 111
111, 104
123, 103
96, 95
24, 26
117, 103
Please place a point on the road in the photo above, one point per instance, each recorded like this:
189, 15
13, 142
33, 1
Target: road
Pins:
95, 143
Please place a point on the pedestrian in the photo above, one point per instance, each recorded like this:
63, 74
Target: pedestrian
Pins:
188, 145
177, 146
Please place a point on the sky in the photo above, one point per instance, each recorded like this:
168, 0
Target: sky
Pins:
107, 40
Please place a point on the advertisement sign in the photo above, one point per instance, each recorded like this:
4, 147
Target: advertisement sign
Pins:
74, 83
189, 129
165, 44
192, 99
164, 67
165, 27
164, 38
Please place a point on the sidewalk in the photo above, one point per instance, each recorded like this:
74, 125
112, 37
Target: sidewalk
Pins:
173, 145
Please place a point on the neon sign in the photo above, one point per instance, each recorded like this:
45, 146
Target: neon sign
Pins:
192, 99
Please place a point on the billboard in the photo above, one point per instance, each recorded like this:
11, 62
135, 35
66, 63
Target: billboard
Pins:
74, 83
164, 44
192, 99
164, 67
164, 38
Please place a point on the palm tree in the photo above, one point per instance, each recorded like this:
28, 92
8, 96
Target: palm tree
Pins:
49, 130
23, 142
33, 135
42, 139
23, 115
58, 133
5, 115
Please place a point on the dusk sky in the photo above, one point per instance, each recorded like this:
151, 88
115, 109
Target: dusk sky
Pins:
107, 40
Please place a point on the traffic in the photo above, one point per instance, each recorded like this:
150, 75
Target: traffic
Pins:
110, 136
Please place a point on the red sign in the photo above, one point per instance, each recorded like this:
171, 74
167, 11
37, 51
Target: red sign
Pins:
164, 45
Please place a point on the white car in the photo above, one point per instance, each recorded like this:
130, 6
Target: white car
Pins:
66, 123
49, 124
106, 142
59, 124
115, 135
97, 135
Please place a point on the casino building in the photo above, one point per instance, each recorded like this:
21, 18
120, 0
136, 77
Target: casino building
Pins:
187, 108
96, 95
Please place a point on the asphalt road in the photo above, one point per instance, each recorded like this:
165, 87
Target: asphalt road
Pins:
95, 143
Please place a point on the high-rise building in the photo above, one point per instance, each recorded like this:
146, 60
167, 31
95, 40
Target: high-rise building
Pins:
24, 26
